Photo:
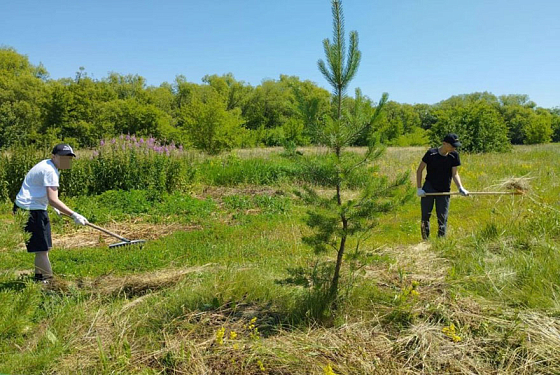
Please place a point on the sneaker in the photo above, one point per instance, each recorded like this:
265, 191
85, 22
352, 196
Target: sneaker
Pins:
45, 280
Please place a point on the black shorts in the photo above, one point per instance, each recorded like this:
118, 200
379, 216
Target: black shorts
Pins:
39, 225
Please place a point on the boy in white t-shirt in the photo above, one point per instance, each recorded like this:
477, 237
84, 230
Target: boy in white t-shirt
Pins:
39, 189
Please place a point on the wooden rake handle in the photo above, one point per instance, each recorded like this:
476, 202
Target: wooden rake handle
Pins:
478, 193
108, 232
102, 230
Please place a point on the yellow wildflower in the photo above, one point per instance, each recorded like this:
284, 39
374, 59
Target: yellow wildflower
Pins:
220, 336
451, 333
255, 334
327, 370
251, 324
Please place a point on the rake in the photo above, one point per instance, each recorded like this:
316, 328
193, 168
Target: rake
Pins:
515, 185
125, 241
478, 193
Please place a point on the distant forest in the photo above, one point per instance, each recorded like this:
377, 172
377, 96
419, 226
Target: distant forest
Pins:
223, 113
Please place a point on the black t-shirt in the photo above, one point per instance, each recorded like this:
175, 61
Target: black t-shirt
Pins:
439, 168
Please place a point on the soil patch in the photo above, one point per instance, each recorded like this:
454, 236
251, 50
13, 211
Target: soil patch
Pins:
89, 237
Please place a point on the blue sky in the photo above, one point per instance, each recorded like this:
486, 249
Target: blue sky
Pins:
419, 51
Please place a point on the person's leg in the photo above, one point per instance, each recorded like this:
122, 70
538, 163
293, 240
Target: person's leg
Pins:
39, 243
43, 268
442, 211
426, 205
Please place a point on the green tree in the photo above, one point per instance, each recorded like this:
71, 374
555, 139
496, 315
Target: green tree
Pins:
128, 116
517, 119
539, 129
526, 124
466, 99
336, 220
74, 109
161, 97
359, 109
312, 104
127, 86
555, 124
390, 125
478, 123
206, 120
268, 106
22, 96
234, 93
397, 122
516, 99
426, 114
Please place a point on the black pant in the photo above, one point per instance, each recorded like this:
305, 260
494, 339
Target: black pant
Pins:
427, 206
39, 226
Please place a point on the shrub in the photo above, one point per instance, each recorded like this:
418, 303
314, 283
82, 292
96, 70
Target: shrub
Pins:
479, 125
539, 129
417, 137
210, 126
14, 165
232, 170
129, 163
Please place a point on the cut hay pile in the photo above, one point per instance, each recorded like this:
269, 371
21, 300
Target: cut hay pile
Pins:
517, 185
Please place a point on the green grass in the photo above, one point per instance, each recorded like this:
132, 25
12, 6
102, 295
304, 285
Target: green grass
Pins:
158, 309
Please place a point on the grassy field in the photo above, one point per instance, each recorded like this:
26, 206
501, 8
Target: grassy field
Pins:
207, 294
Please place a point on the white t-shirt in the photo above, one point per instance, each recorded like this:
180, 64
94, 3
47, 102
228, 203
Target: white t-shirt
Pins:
33, 192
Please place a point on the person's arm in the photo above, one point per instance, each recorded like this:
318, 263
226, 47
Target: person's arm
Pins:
57, 204
419, 171
457, 180
419, 191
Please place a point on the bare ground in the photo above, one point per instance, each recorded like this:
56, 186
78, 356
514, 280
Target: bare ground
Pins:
90, 237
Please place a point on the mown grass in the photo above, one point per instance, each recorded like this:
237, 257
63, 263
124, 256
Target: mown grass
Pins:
483, 300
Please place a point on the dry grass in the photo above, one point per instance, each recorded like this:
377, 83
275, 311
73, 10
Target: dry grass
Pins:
519, 185
316, 150
491, 339
124, 286
140, 284
89, 237
218, 192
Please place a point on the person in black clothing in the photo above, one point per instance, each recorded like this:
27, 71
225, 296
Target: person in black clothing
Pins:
441, 164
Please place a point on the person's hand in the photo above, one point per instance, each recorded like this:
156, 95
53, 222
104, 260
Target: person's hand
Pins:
79, 219
420, 192
464, 192
57, 211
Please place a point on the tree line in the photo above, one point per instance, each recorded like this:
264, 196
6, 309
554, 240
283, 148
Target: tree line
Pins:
223, 113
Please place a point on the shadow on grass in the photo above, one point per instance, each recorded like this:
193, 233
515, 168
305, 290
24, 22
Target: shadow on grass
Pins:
16, 285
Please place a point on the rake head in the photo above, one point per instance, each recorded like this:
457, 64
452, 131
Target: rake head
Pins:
128, 243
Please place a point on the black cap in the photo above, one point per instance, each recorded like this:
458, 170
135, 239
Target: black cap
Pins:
452, 139
63, 149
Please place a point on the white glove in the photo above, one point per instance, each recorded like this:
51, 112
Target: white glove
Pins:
79, 219
57, 211
464, 192
420, 192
